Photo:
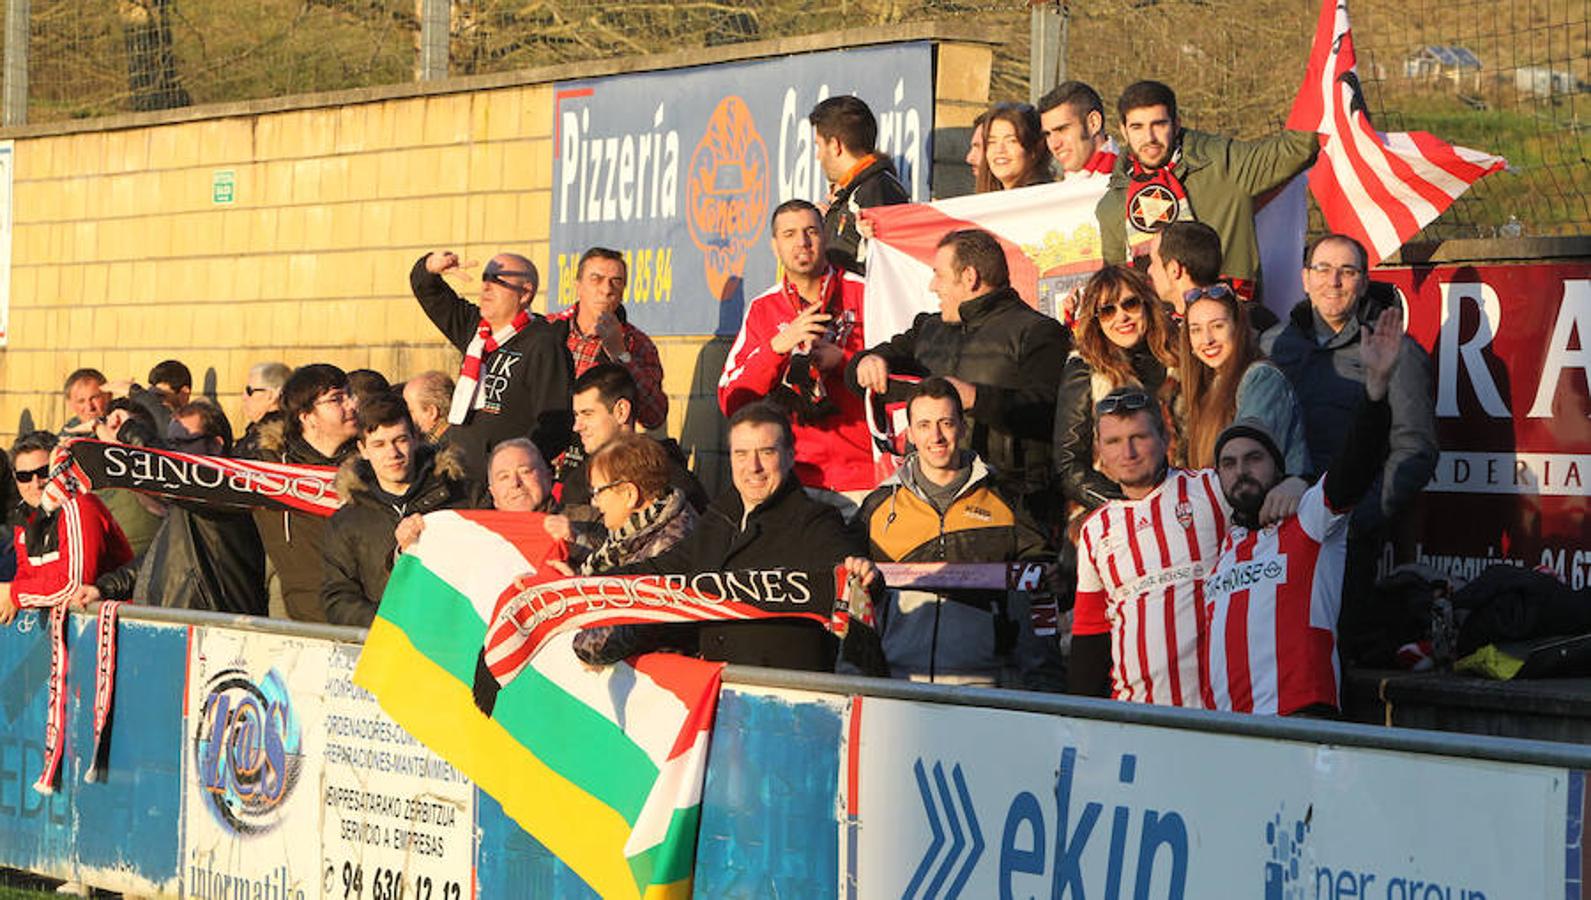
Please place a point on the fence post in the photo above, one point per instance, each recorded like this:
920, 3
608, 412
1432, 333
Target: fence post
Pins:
14, 106
1047, 55
434, 26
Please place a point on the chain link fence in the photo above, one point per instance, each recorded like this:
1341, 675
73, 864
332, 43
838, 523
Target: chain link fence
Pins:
1506, 76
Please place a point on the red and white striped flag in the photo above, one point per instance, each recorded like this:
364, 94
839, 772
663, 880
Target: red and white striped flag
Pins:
1379, 188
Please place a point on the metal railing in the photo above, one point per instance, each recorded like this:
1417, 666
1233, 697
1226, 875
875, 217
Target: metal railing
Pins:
1311, 731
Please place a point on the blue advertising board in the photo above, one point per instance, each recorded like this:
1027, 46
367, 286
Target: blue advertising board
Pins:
122, 831
679, 170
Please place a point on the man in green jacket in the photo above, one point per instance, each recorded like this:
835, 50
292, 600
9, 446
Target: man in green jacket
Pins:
1175, 174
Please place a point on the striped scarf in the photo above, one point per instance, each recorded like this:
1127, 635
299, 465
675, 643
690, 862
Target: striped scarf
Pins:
59, 606
466, 394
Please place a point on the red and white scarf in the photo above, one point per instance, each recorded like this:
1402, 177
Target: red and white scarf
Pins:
1155, 198
59, 605
466, 394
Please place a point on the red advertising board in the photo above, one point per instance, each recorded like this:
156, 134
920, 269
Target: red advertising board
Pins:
1511, 346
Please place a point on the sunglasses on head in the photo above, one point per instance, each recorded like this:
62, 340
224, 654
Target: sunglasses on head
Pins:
496, 274
1213, 292
1128, 303
1122, 403
24, 476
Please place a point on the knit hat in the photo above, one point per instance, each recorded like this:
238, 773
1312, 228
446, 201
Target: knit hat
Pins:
1252, 427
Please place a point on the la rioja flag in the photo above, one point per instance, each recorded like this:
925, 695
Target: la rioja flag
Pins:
1379, 188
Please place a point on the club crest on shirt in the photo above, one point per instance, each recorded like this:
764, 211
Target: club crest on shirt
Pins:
1185, 514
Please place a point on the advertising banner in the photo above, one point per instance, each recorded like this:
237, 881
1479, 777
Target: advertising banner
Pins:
1511, 346
1063, 807
398, 821
680, 170
252, 765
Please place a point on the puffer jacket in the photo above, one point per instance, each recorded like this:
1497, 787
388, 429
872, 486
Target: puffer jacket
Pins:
359, 545
1013, 354
1222, 177
963, 635
1328, 379
294, 540
1082, 388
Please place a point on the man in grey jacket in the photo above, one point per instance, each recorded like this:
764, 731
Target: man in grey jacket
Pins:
1318, 348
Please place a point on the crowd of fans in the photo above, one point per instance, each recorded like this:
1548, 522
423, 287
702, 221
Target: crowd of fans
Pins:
1211, 484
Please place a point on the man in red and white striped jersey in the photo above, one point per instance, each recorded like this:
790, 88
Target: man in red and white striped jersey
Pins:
1138, 624
1272, 599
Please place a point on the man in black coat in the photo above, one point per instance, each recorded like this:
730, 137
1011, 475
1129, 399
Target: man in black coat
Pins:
1003, 356
767, 521
517, 373
396, 474
845, 134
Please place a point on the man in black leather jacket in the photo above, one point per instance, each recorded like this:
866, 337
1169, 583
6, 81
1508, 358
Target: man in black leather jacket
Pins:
1003, 356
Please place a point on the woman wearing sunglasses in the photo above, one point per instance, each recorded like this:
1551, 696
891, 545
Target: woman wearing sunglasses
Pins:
1124, 338
645, 516
1225, 377
59, 550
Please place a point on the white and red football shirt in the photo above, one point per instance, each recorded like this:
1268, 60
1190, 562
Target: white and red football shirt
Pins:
1272, 603
1141, 568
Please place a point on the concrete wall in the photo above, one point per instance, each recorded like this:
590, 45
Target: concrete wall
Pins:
122, 258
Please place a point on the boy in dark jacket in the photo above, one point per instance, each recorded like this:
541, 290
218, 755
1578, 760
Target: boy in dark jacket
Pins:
395, 474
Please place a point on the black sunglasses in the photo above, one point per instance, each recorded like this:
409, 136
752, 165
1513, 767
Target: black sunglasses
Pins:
24, 476
1128, 304
1122, 403
495, 273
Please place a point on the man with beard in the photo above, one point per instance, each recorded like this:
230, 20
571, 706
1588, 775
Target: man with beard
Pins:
1273, 596
1175, 174
792, 350
1138, 619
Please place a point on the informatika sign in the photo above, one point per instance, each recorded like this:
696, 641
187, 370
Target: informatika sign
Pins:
680, 171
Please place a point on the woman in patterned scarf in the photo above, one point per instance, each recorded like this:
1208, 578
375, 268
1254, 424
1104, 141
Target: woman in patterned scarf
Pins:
645, 516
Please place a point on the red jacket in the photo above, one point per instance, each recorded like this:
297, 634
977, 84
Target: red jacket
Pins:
836, 452
84, 544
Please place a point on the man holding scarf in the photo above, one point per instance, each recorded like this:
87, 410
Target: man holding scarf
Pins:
516, 375
1175, 174
793, 349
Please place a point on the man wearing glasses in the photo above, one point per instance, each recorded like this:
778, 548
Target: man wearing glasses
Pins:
262, 402
1319, 348
317, 428
515, 378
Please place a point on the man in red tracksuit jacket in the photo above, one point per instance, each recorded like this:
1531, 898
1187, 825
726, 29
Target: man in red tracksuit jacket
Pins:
60, 551
793, 349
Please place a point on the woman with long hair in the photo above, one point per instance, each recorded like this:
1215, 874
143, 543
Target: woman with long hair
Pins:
1014, 153
1225, 377
1124, 338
